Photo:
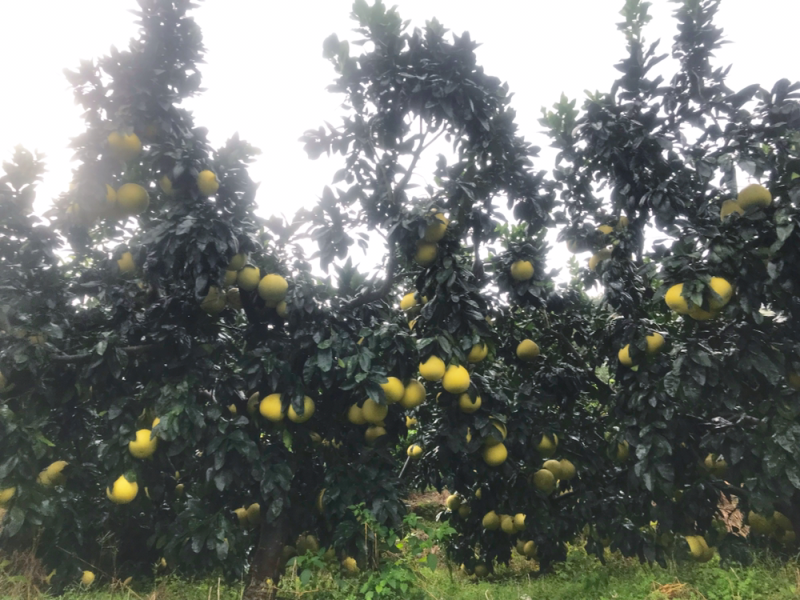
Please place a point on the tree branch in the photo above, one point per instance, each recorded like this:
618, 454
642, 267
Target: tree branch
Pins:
74, 358
384, 289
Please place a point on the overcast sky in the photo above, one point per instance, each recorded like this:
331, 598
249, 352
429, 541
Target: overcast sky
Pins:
266, 79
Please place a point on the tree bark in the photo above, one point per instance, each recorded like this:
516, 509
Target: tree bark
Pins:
266, 563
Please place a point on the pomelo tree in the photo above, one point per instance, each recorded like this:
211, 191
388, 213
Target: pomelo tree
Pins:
180, 390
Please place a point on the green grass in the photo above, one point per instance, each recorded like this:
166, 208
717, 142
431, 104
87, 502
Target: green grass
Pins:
581, 577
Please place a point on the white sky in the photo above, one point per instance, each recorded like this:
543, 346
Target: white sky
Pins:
266, 77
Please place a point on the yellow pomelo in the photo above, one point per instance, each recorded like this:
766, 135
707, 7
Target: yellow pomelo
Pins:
507, 524
373, 432
554, 467
675, 301
132, 199
393, 388
723, 289
519, 522
413, 395
143, 446
754, 195
122, 491
214, 302
282, 309
53, 474
355, 415
272, 289
527, 350
409, 301
548, 446
759, 524
165, 183
237, 262
623, 450
432, 369
414, 451
655, 341
781, 521
124, 146
111, 197
6, 495
271, 408
456, 379
452, 502
495, 455
491, 521
207, 183
467, 404
624, 356
126, 264
622, 223
426, 253
521, 270
699, 314
729, 207
230, 278
410, 422
481, 571
241, 515
373, 412
464, 511
606, 229
500, 436
529, 549
435, 231
308, 411
793, 379
350, 567
233, 298
87, 578
478, 352
254, 514
544, 481
568, 470
596, 259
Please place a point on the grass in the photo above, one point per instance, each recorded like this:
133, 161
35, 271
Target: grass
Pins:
581, 577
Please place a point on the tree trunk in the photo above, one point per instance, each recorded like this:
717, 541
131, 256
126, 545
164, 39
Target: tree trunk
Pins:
266, 564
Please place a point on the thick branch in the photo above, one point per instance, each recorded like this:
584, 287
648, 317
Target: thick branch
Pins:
74, 358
